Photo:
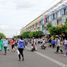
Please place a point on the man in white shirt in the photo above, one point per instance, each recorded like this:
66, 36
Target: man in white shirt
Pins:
58, 45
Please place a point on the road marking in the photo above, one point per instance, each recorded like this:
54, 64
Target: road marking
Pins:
51, 59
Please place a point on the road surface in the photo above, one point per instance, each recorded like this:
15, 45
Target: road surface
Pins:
39, 58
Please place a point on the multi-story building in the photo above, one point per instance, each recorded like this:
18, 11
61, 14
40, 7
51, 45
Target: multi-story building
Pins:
55, 15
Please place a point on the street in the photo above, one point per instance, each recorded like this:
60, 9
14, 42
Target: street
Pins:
39, 58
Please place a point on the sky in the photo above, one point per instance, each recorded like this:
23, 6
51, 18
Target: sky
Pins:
15, 14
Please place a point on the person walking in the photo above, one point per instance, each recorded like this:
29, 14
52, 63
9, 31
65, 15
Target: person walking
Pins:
43, 45
65, 46
5, 45
58, 44
53, 43
33, 45
21, 46
49, 42
1, 44
12, 43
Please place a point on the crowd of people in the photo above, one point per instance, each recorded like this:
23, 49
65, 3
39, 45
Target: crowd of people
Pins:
59, 43
19, 43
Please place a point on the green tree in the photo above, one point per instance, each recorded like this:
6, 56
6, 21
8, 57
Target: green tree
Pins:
2, 35
40, 33
37, 34
56, 30
49, 25
31, 34
25, 34
65, 28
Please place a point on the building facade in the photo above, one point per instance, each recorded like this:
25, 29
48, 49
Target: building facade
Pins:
55, 15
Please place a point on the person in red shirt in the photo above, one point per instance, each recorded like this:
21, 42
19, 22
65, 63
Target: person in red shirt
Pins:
12, 43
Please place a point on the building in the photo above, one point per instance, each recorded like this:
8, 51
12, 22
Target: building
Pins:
55, 15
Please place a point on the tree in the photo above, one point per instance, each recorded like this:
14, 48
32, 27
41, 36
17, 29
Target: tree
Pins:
25, 34
40, 33
31, 34
49, 25
35, 34
65, 27
2, 35
56, 30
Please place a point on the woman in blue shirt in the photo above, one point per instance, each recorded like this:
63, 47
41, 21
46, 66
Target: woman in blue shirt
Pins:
21, 46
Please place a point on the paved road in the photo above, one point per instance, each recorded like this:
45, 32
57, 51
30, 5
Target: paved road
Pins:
40, 58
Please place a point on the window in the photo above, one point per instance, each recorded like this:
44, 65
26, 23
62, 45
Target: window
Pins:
50, 18
53, 16
36, 24
47, 19
65, 10
58, 13
59, 20
62, 11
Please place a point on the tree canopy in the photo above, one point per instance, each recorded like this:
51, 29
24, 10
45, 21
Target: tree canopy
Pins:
57, 30
2, 35
35, 34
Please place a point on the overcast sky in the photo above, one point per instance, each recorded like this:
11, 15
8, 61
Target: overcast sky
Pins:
15, 14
